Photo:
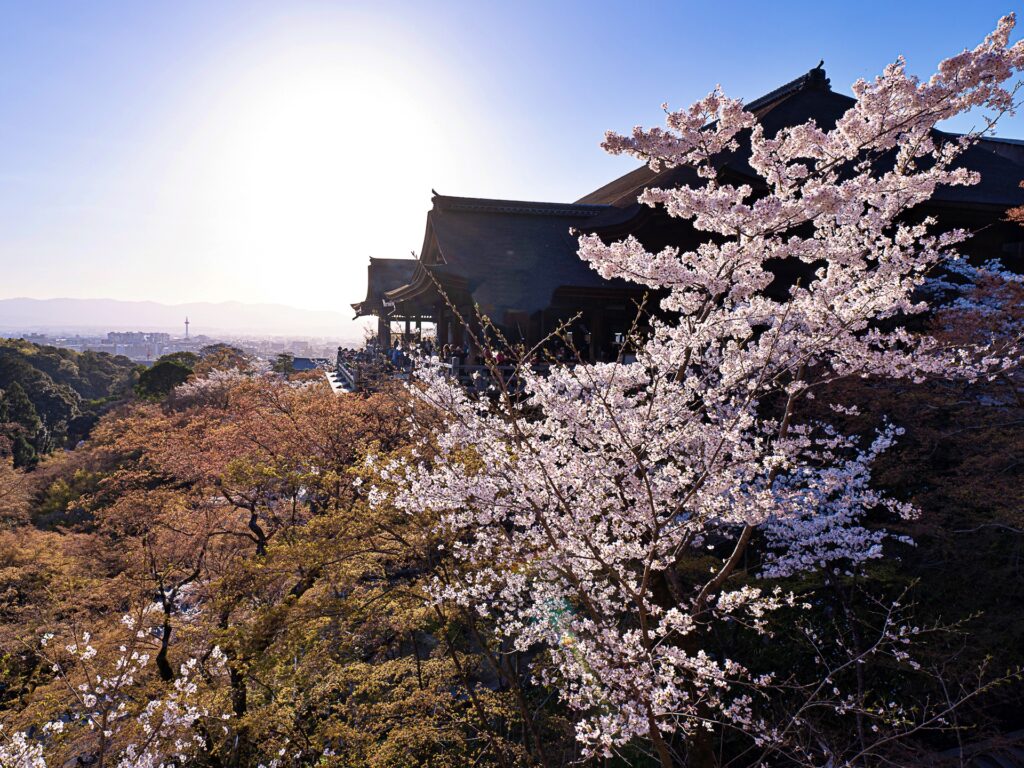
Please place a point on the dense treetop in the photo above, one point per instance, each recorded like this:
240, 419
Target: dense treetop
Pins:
58, 394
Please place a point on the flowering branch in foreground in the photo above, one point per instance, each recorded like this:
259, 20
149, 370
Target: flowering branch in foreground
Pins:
109, 720
580, 498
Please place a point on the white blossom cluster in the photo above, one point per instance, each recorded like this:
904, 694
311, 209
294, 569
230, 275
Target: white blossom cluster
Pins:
18, 751
574, 501
104, 700
209, 390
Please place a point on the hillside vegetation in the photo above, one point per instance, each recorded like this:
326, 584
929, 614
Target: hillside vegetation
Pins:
234, 522
51, 397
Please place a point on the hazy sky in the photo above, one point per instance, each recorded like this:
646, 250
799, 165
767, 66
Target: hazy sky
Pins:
258, 151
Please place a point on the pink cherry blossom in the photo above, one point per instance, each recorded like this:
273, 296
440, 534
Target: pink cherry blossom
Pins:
575, 501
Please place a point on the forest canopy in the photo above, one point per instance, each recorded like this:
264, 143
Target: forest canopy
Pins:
286, 613
50, 397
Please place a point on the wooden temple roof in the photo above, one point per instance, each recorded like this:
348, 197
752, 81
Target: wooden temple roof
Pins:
383, 275
508, 256
512, 257
999, 161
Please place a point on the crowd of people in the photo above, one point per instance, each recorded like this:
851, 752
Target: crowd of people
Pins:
397, 357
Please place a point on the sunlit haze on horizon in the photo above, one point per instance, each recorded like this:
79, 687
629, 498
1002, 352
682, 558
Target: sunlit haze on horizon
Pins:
260, 152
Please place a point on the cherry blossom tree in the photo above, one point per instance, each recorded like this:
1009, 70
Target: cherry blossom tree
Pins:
106, 716
617, 515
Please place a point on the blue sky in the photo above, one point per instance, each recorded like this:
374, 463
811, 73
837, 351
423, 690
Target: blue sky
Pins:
260, 151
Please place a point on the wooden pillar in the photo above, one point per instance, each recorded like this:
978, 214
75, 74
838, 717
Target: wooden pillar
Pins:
441, 312
473, 336
457, 332
383, 333
597, 333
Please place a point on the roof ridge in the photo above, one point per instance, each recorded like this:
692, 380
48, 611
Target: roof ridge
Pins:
814, 79
535, 208
1000, 140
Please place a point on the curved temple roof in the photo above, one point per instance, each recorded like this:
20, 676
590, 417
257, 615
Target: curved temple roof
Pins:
999, 161
509, 255
513, 256
383, 275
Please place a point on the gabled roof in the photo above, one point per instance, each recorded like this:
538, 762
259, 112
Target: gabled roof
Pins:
383, 275
509, 255
999, 161
512, 256
1011, 148
814, 80
809, 96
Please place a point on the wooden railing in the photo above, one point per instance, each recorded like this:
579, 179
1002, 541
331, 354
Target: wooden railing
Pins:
477, 377
346, 377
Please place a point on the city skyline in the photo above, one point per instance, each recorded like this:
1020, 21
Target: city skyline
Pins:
62, 315
146, 348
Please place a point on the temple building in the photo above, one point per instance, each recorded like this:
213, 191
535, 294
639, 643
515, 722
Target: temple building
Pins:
517, 261
384, 275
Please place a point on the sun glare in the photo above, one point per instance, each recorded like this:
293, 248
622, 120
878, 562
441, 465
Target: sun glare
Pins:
307, 159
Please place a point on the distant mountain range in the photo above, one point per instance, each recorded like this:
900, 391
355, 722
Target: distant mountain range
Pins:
21, 315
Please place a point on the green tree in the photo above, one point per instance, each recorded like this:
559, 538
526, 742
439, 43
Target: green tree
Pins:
31, 426
24, 453
157, 382
18, 409
284, 363
55, 402
188, 359
69, 390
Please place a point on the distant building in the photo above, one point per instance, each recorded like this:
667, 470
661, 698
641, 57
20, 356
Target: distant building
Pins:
310, 363
141, 346
137, 337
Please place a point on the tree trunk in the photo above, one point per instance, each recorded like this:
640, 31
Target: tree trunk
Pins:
660, 747
162, 664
